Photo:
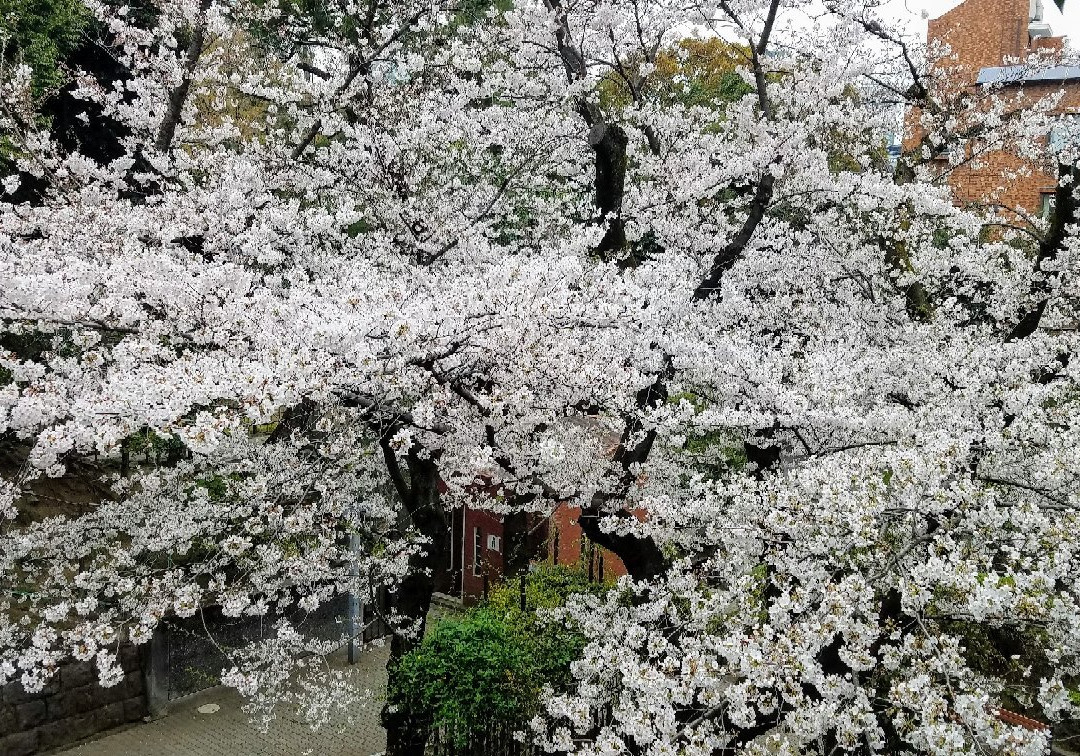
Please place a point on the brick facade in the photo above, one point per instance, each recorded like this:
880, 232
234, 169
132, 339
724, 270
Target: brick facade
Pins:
569, 546
482, 560
984, 34
493, 547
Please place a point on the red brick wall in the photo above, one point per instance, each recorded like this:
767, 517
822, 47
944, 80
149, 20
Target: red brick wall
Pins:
985, 33
1002, 177
491, 562
570, 542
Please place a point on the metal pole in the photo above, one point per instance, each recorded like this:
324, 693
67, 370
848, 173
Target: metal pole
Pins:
355, 612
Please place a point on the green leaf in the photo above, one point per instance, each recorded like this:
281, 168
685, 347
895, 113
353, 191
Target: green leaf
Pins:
491, 664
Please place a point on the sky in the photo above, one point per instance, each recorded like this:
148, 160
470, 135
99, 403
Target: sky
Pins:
914, 13
1067, 24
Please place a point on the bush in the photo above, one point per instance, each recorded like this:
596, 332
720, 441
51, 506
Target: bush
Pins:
41, 33
490, 666
548, 587
467, 674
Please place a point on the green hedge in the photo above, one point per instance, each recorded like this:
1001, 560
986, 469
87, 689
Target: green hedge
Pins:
489, 666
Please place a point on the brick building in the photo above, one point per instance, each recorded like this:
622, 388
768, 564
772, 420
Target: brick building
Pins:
569, 546
1007, 43
495, 546
487, 547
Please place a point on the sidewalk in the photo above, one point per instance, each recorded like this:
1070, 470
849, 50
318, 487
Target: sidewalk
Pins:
185, 731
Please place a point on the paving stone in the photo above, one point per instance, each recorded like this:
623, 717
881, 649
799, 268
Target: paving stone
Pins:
129, 658
14, 692
134, 709
109, 716
131, 686
55, 733
81, 727
77, 675
104, 696
227, 732
8, 722
68, 703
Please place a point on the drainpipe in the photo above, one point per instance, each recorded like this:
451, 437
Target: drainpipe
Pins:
464, 522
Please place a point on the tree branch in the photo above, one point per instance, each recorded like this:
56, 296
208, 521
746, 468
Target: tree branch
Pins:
179, 94
1065, 215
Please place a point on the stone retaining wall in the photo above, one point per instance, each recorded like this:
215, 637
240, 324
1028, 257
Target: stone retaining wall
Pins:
71, 707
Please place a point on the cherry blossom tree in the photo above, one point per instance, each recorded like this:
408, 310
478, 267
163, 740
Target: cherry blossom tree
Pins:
415, 240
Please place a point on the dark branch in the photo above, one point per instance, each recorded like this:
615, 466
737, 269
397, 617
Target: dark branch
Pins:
1065, 214
179, 94
733, 250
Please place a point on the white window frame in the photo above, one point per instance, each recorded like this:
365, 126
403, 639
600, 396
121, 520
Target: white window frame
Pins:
1046, 205
1065, 133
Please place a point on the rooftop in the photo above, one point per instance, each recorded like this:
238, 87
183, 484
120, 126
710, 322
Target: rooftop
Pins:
1021, 74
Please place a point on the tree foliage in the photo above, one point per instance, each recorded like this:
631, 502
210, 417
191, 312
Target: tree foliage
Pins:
467, 676
692, 72
41, 34
826, 420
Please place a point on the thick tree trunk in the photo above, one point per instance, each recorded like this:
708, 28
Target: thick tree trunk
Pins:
178, 96
609, 143
407, 733
642, 558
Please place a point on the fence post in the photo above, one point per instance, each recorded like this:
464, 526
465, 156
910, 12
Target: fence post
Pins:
125, 458
354, 599
155, 671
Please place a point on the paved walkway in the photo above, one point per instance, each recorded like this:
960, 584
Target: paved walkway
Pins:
185, 731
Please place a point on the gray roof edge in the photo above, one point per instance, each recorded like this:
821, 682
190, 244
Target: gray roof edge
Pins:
1023, 74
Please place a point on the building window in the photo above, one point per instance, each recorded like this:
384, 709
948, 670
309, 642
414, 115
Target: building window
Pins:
1065, 133
494, 543
478, 546
1046, 205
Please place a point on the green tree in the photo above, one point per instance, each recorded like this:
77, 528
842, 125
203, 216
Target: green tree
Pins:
692, 72
41, 34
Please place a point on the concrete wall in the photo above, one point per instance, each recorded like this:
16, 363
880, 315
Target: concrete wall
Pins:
71, 707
